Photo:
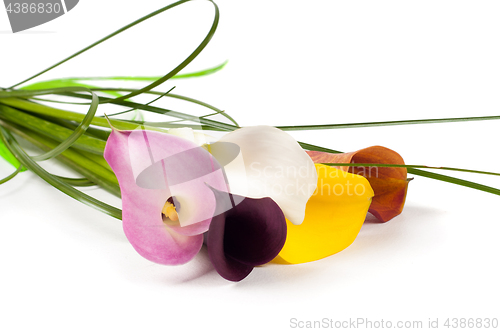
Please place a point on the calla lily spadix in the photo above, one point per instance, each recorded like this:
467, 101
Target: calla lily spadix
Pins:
333, 219
390, 184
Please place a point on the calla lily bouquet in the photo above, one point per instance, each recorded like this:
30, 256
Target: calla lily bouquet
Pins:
253, 195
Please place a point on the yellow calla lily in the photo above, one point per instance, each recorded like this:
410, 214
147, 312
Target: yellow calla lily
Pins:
334, 215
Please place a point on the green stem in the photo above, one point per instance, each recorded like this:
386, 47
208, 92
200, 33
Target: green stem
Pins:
91, 131
56, 132
98, 159
72, 158
28, 106
14, 147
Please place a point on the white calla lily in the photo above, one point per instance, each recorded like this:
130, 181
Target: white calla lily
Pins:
275, 166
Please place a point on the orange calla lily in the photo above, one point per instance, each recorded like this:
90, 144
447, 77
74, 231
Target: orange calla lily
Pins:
390, 184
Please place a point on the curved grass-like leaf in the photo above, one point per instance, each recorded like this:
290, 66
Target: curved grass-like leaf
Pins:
164, 78
154, 109
77, 182
11, 176
210, 124
77, 81
17, 151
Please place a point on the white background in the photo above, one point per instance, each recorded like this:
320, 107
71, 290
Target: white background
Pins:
67, 267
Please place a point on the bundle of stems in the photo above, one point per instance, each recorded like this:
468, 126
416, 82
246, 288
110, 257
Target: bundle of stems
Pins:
78, 139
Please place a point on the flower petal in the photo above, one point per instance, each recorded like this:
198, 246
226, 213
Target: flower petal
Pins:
151, 167
275, 166
334, 216
250, 233
389, 183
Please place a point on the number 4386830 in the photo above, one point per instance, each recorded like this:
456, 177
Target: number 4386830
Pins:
41, 8
471, 323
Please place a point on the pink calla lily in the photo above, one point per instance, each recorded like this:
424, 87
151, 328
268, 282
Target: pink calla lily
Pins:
153, 167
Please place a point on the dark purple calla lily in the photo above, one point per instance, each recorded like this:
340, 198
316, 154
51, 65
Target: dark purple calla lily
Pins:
249, 234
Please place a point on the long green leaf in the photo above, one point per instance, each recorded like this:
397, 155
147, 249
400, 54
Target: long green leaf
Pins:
413, 166
77, 81
387, 123
63, 83
454, 180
